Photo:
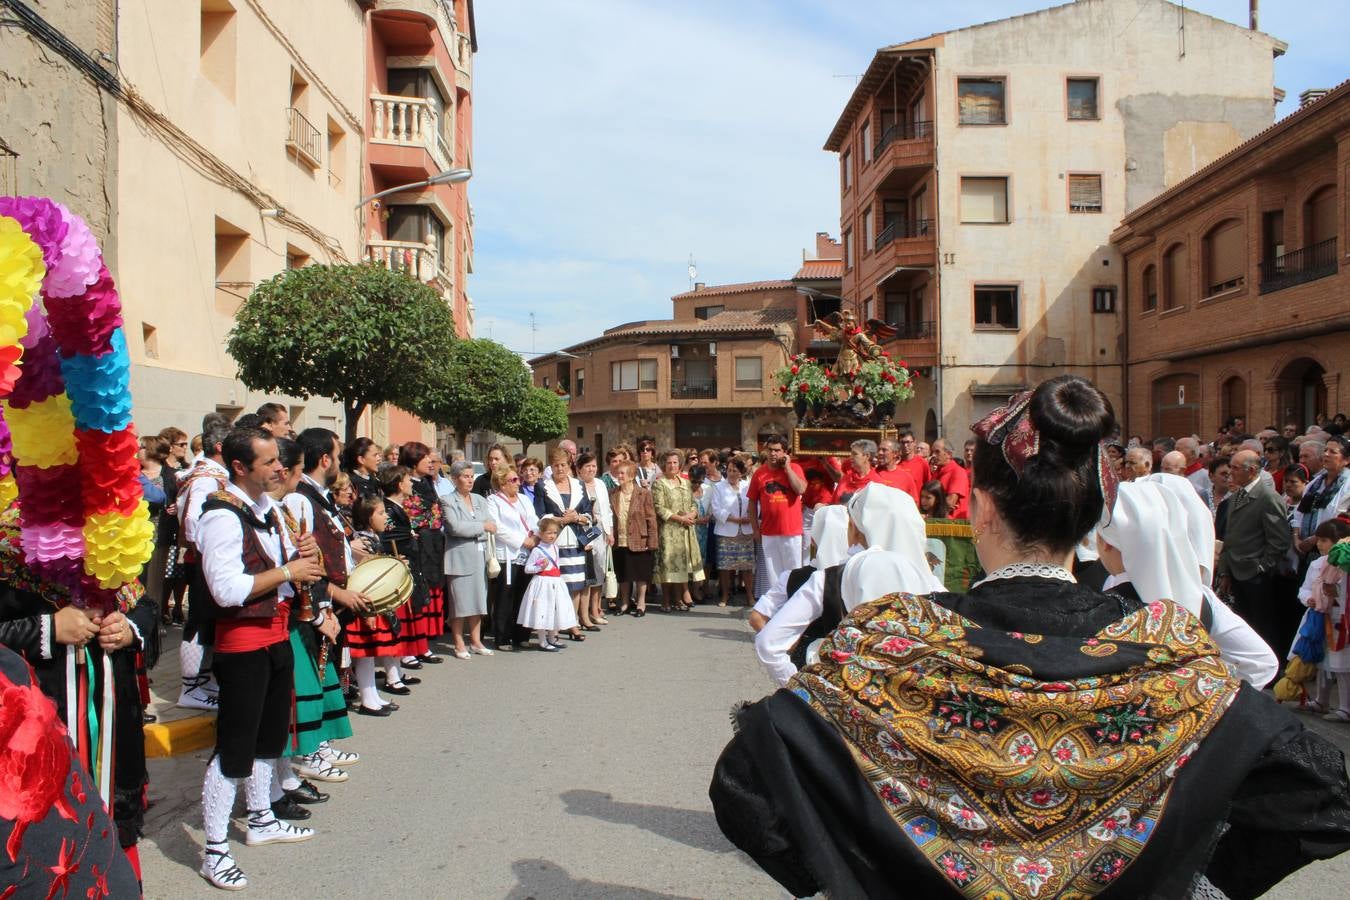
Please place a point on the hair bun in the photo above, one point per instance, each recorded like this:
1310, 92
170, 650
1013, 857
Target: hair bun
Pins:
1072, 416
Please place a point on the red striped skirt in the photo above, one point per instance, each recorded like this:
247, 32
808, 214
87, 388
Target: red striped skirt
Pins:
365, 639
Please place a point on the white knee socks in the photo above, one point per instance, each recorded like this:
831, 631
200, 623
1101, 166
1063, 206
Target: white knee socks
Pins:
258, 792
218, 792
364, 667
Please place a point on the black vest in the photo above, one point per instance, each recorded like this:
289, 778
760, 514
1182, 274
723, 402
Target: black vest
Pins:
255, 559
832, 608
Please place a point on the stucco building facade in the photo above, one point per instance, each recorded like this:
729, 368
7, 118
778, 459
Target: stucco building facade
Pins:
983, 170
1238, 295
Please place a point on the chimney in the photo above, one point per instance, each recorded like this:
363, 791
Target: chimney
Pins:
700, 285
1311, 96
1253, 14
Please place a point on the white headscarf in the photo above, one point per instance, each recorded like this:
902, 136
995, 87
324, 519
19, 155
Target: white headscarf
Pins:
829, 531
890, 520
1149, 527
876, 572
1199, 524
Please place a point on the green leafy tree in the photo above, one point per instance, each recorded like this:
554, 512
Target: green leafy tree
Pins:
541, 417
362, 335
476, 384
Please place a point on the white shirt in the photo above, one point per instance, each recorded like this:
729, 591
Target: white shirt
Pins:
787, 625
220, 538
515, 522
203, 486
731, 501
601, 513
304, 512
774, 598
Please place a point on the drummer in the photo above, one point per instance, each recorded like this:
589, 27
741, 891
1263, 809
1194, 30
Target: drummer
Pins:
320, 713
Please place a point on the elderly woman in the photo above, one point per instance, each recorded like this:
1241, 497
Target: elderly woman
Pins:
562, 496
468, 522
531, 470
1030, 738
648, 471
635, 533
678, 559
734, 533
517, 526
597, 551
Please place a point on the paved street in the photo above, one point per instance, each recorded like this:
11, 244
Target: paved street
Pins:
579, 774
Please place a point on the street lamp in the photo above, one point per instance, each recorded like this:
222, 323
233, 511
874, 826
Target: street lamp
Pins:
449, 176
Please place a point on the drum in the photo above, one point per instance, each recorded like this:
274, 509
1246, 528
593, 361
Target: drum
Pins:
386, 580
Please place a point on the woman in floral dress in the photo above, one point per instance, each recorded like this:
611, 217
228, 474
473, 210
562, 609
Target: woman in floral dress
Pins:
678, 559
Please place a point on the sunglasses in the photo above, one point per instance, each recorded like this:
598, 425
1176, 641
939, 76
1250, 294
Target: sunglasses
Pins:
513, 480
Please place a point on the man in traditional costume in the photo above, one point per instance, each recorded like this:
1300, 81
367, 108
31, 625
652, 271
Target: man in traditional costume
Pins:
207, 476
250, 567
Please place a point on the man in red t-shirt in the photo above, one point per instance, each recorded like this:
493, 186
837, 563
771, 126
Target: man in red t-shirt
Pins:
954, 478
859, 472
890, 472
913, 462
775, 509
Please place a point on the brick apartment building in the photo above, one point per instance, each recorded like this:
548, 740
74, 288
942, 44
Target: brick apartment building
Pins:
982, 171
1237, 303
703, 378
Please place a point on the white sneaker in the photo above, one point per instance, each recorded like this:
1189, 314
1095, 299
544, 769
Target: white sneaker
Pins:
277, 832
200, 698
337, 758
319, 769
218, 867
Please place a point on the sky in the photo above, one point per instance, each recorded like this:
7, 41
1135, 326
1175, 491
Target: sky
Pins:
613, 139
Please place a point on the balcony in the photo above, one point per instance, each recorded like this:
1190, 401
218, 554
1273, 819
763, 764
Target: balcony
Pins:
900, 158
303, 139
916, 344
408, 122
1299, 266
916, 331
913, 131
902, 229
417, 260
693, 389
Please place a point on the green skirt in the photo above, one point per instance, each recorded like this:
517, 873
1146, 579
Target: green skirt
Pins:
320, 710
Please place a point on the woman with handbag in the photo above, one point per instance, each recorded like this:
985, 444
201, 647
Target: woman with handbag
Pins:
678, 558
635, 531
516, 536
563, 496
468, 527
597, 551
735, 534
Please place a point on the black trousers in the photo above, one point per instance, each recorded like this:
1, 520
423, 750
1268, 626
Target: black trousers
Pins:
254, 717
1256, 601
504, 606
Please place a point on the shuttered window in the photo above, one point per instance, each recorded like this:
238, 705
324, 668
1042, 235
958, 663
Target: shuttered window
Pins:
984, 200
1150, 288
1175, 264
749, 372
1082, 98
1085, 193
1225, 257
646, 374
624, 375
980, 101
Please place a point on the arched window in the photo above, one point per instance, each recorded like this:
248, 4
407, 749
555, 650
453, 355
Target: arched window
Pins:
1233, 398
1150, 287
1319, 216
1175, 274
1225, 257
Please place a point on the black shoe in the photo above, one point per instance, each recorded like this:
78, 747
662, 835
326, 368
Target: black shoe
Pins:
288, 810
400, 690
411, 680
639, 613
432, 658
149, 718
404, 664
382, 711
307, 793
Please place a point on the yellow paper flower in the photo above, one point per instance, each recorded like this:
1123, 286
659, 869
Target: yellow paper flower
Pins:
117, 547
44, 433
9, 491
21, 274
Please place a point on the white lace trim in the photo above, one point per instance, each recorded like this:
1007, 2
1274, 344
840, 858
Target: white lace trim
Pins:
1029, 570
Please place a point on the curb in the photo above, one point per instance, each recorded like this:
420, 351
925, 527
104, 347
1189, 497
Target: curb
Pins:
179, 736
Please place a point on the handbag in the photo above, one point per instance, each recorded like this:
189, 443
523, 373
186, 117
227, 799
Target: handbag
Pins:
611, 580
494, 565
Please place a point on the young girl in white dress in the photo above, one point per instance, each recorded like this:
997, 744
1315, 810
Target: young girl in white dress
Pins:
546, 607
1324, 589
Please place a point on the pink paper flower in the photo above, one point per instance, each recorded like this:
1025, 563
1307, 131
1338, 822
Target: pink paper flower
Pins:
43, 221
77, 265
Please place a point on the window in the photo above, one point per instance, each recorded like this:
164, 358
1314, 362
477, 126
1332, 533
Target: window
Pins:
419, 225
749, 372
624, 375
848, 249
218, 42
1225, 251
546, 381
581, 382
996, 307
1319, 216
1082, 98
865, 138
707, 312
867, 309
150, 340
1272, 235
895, 310
980, 101
646, 374
1174, 276
337, 152
1150, 288
420, 83
867, 230
296, 258
581, 432
233, 267
984, 200
1104, 299
846, 163
1085, 193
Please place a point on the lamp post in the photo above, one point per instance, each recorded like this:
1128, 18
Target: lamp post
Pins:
449, 176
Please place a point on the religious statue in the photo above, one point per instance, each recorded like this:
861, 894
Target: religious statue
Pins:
857, 343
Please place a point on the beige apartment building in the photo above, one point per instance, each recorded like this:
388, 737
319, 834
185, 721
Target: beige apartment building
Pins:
982, 171
239, 156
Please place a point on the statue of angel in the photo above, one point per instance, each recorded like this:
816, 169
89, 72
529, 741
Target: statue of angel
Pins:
857, 343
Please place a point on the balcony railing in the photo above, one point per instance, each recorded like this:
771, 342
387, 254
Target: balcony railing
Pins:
902, 228
409, 122
1298, 266
916, 331
417, 260
693, 389
303, 137
902, 131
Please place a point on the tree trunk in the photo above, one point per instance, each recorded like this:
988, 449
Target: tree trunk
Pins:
352, 410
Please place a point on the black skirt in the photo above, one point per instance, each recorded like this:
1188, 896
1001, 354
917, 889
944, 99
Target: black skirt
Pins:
633, 565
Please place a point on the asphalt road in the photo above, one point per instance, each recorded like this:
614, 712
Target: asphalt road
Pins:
577, 774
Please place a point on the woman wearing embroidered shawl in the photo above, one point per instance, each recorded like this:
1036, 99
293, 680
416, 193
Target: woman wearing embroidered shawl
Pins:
1032, 738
